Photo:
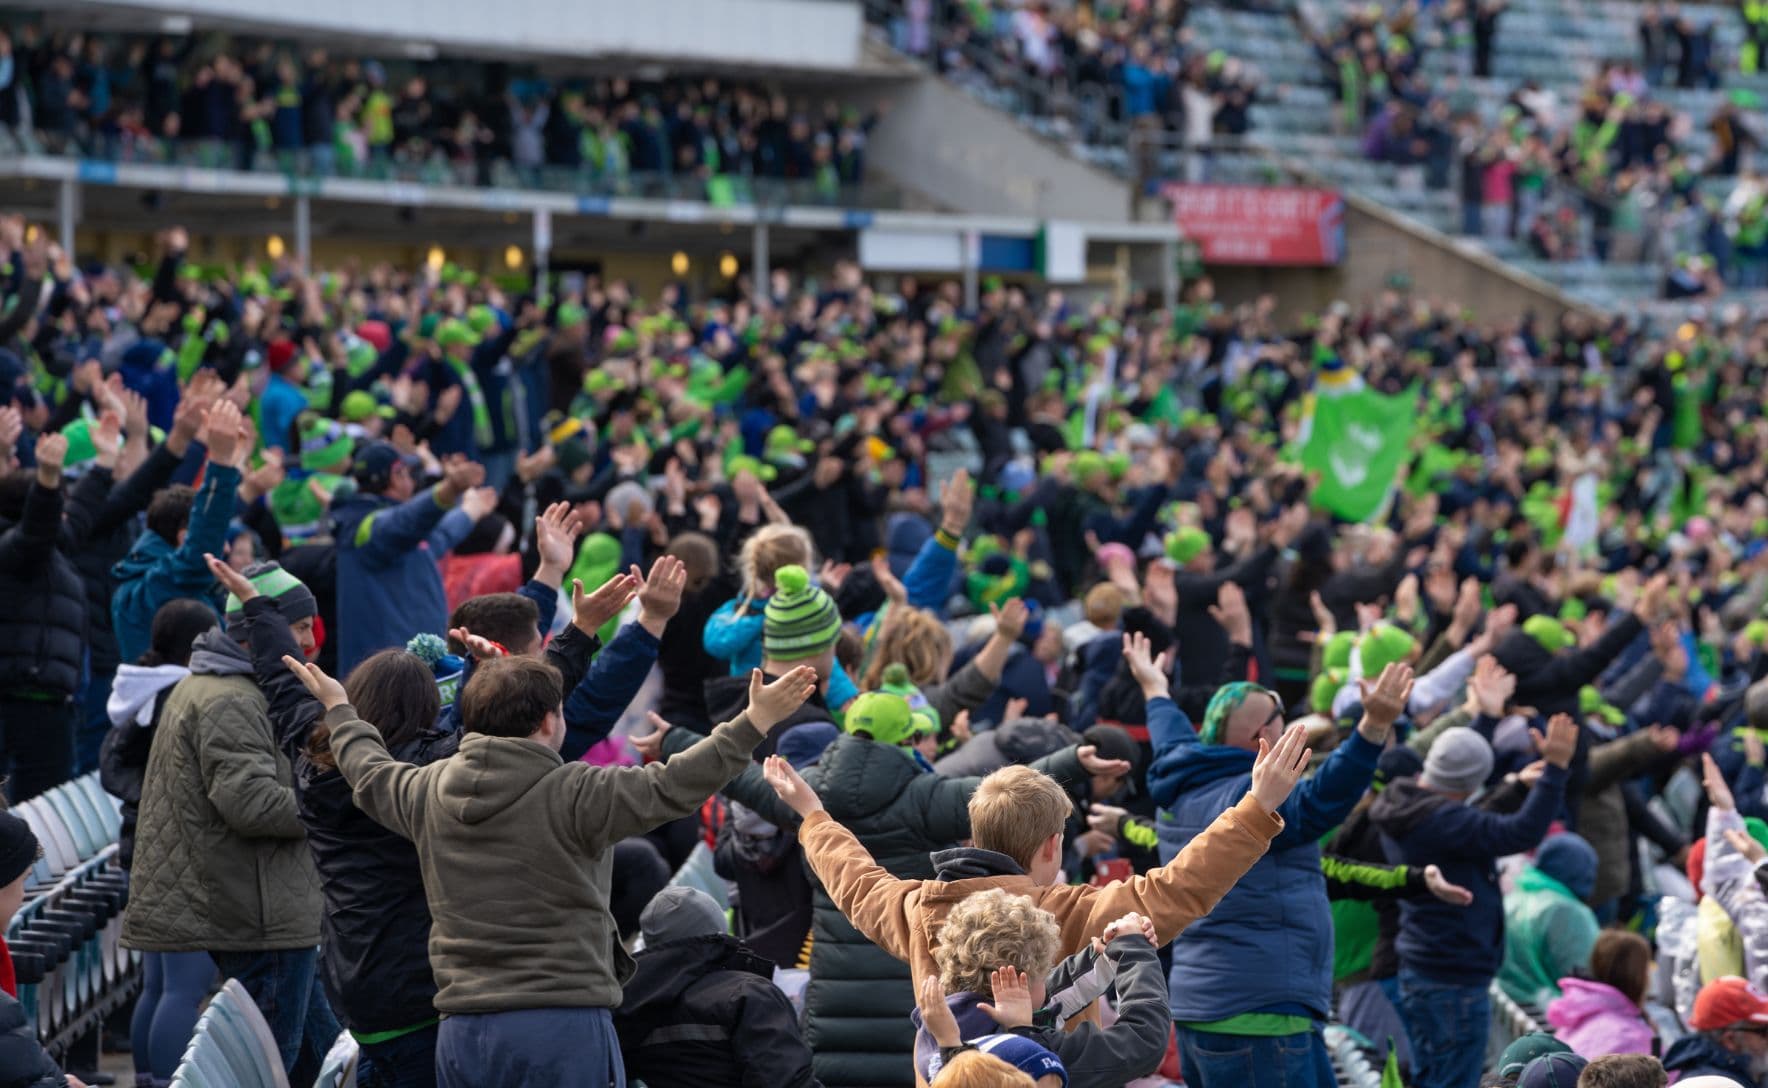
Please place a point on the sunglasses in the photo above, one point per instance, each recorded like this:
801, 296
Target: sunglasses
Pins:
1277, 712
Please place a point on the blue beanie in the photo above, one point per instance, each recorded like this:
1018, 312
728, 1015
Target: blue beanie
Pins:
1567, 858
803, 744
1023, 1054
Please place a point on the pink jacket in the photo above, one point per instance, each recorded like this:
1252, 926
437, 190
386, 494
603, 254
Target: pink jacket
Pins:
1595, 1019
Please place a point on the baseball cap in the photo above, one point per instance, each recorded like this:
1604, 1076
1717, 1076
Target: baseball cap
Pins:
1727, 1001
375, 461
1025, 1055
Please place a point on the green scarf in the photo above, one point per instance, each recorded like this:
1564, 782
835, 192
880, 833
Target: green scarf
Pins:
482, 434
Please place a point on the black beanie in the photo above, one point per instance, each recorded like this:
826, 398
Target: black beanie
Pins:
18, 848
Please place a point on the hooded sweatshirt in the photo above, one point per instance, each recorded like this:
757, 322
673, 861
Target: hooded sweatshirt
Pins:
1594, 1019
516, 847
133, 707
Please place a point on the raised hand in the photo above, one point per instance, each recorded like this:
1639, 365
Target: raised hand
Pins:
478, 645
1106, 818
1012, 998
231, 580
960, 727
1561, 740
263, 479
52, 452
1718, 791
1278, 768
555, 542
1325, 625
833, 574
936, 1015
956, 502
1491, 687
1231, 613
659, 596
589, 611
1152, 674
222, 435
1095, 764
478, 501
106, 438
894, 590
792, 789
328, 691
650, 746
1015, 709
1384, 701
1449, 893
771, 704
1010, 619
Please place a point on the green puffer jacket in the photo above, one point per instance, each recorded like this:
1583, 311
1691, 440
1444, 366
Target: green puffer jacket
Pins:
858, 1002
221, 862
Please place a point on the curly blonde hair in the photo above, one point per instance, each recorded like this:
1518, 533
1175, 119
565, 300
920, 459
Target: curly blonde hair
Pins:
915, 639
990, 930
766, 551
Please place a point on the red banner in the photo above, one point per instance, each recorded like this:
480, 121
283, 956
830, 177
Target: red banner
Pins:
1264, 225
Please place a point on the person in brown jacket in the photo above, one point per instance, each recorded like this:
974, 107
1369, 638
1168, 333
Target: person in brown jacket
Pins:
1016, 821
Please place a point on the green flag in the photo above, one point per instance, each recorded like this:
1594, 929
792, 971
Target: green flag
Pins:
1390, 1073
1357, 441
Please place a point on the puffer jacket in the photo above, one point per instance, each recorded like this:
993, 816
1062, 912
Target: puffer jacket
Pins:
23, 1061
859, 997
221, 861
1594, 1019
1268, 946
376, 922
43, 626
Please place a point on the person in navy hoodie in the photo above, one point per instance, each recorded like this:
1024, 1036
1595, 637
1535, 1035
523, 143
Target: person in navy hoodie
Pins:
1449, 955
1252, 982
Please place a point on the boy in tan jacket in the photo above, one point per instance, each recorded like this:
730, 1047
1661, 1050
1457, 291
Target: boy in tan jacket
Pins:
1016, 822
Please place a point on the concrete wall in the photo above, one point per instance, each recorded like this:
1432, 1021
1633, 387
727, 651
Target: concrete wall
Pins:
937, 141
805, 34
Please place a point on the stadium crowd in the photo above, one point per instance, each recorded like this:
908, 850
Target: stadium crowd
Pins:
258, 104
1045, 722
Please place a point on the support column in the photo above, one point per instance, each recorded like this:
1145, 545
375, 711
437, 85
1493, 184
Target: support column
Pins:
972, 277
67, 213
303, 232
759, 271
1169, 275
542, 247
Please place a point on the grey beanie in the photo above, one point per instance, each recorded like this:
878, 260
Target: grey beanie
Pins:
679, 912
1460, 761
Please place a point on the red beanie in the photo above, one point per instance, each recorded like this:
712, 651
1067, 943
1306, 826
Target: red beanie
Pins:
376, 333
280, 354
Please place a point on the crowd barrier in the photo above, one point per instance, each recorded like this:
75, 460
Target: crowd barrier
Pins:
72, 969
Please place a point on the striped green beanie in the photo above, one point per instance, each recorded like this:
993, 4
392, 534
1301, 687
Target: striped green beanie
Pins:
293, 599
1224, 703
801, 620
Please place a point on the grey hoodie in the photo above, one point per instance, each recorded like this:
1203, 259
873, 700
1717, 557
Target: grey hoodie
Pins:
515, 849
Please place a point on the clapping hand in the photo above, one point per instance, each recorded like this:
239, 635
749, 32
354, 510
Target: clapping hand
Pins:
1012, 998
555, 542
589, 611
328, 691
1384, 701
1491, 687
791, 788
659, 596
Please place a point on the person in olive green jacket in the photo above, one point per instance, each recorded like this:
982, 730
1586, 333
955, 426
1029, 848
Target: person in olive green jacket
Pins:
514, 845
221, 861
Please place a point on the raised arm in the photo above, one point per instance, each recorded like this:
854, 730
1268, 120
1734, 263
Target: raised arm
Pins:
28, 545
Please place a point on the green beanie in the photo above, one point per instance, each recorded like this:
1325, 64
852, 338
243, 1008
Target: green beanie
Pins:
482, 319
880, 715
1758, 829
1384, 645
324, 445
896, 681
293, 599
1549, 632
766, 473
572, 314
1756, 631
1592, 704
1336, 655
784, 440
300, 506
81, 448
1324, 688
1186, 544
359, 405
801, 620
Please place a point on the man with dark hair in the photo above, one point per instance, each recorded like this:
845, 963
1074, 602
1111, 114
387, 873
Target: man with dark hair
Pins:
515, 845
511, 620
1624, 1071
182, 526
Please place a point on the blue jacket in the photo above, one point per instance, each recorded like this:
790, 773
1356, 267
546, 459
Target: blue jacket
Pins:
389, 587
277, 410
1267, 946
154, 572
612, 682
147, 371
1461, 946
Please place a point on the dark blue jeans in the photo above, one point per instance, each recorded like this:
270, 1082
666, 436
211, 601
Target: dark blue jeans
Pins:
285, 985
1213, 1060
406, 1062
1448, 1025
557, 1047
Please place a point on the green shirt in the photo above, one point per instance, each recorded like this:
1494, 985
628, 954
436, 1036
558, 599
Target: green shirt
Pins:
1262, 1024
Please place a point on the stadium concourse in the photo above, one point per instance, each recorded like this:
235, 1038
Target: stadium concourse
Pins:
490, 638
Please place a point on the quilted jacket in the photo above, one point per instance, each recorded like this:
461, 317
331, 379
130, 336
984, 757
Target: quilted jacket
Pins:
221, 862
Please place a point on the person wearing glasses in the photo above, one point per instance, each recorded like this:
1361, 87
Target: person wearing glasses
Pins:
1252, 982
1729, 1037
